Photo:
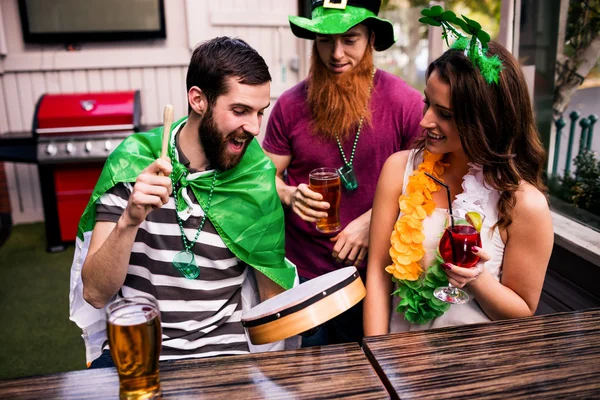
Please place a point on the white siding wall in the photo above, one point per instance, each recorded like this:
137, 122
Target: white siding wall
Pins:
156, 68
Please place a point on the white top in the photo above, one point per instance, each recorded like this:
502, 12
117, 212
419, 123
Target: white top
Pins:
478, 197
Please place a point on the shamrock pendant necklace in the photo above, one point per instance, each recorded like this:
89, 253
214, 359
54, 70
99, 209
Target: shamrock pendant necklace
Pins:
185, 261
347, 175
346, 172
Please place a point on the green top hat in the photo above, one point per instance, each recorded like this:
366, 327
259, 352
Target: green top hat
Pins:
334, 17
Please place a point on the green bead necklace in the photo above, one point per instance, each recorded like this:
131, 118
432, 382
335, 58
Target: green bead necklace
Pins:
347, 175
346, 171
185, 261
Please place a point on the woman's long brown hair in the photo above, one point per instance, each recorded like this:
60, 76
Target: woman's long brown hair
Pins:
495, 123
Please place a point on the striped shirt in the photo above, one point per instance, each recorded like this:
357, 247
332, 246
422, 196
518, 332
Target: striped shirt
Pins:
200, 317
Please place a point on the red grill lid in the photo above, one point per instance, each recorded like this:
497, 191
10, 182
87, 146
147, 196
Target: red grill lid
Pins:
87, 112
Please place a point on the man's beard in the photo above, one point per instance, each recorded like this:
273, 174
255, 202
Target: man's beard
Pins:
338, 102
215, 144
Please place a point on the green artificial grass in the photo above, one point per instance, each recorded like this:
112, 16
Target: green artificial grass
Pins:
36, 335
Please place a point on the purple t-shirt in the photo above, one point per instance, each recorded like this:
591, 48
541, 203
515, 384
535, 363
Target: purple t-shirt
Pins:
396, 111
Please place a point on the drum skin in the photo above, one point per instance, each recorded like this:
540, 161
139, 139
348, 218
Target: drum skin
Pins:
304, 307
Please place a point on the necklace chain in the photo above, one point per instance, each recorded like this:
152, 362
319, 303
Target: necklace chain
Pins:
360, 124
186, 244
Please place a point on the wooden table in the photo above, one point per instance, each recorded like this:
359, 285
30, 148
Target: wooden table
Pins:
550, 357
330, 371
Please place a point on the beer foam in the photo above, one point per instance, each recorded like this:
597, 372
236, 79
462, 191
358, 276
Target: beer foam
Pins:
132, 314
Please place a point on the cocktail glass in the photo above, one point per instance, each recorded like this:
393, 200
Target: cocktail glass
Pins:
455, 247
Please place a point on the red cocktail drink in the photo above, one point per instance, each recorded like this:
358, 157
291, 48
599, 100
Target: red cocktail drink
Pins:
456, 243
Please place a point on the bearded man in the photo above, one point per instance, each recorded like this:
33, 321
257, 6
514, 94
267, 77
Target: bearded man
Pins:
185, 231
346, 114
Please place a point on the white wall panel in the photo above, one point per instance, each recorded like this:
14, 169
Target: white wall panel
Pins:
135, 78
24, 193
3, 116
14, 190
26, 100
38, 85
122, 80
33, 210
3, 47
65, 81
94, 80
52, 82
163, 89
150, 103
12, 102
177, 91
80, 83
109, 83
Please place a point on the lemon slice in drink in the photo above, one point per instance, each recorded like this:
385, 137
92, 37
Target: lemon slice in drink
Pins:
474, 218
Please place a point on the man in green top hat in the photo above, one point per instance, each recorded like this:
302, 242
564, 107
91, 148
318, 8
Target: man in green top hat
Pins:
185, 230
346, 115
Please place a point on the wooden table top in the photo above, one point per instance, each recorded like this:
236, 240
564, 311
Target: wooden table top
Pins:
551, 356
329, 371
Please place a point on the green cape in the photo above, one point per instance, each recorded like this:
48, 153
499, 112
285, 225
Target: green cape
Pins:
245, 208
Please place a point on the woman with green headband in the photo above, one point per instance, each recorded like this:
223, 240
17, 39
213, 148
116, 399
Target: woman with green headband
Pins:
480, 140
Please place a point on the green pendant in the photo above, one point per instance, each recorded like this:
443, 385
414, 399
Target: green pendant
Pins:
348, 177
185, 262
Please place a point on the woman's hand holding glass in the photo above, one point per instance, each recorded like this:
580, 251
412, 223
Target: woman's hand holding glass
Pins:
460, 248
460, 277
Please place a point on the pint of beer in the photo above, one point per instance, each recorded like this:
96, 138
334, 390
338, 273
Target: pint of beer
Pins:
327, 182
135, 338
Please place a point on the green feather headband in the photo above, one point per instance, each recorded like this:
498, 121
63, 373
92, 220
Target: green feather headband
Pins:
475, 48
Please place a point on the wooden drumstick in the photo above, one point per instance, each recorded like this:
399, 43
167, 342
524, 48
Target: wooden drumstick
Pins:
166, 136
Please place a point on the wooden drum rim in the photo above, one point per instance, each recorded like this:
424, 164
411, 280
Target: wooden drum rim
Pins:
308, 313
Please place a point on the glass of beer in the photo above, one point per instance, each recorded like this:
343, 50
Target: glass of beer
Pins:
135, 338
327, 182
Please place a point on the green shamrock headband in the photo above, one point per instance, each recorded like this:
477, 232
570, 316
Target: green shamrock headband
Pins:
475, 48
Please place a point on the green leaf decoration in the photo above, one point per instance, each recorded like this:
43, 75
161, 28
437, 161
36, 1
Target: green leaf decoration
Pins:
401, 291
484, 38
414, 285
448, 16
435, 271
429, 21
436, 11
418, 303
474, 24
426, 12
463, 25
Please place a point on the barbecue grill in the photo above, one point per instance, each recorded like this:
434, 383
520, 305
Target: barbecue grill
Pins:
74, 134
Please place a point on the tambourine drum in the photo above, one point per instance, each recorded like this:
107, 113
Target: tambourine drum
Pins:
305, 306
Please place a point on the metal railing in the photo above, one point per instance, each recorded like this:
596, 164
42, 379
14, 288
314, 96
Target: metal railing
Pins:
585, 140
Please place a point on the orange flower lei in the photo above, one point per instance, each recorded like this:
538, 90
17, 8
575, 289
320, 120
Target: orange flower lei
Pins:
416, 204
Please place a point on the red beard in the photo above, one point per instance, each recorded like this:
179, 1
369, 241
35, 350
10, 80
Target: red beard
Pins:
338, 102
